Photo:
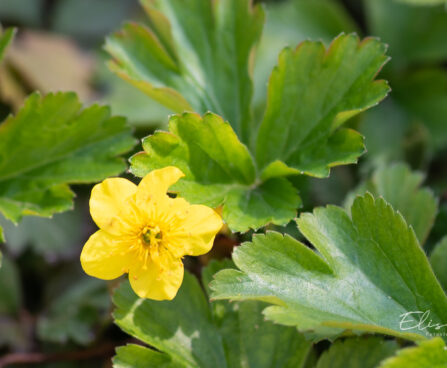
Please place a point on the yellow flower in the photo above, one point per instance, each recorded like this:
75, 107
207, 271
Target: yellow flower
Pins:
146, 233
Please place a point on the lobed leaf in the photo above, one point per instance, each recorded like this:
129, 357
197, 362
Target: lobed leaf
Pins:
188, 332
312, 92
368, 274
192, 55
219, 171
53, 142
400, 186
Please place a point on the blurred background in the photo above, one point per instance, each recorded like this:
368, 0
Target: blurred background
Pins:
51, 315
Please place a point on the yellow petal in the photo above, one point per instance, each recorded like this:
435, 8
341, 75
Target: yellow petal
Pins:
195, 229
155, 184
110, 205
155, 282
105, 257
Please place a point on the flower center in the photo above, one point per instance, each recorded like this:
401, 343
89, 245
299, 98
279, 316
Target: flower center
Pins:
151, 235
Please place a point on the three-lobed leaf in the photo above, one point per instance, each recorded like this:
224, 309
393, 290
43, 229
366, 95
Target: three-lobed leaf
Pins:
368, 274
53, 142
219, 171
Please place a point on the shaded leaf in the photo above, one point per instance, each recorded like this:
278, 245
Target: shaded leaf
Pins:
55, 237
438, 260
400, 186
136, 356
51, 143
190, 334
192, 55
73, 314
399, 26
423, 2
423, 95
357, 352
429, 354
312, 92
369, 272
10, 287
219, 170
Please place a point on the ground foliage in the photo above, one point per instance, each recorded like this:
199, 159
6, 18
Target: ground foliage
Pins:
269, 103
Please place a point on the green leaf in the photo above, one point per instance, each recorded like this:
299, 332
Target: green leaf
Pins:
137, 356
219, 170
423, 95
400, 186
53, 142
438, 260
357, 352
191, 334
429, 354
10, 287
291, 22
369, 271
312, 92
399, 26
5, 39
75, 312
423, 2
192, 55
53, 238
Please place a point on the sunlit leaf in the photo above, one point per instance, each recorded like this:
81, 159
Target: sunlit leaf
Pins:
429, 354
312, 92
369, 271
188, 332
219, 170
53, 142
291, 22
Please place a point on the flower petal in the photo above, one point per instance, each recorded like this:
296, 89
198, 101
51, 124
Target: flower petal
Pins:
105, 256
110, 204
156, 184
194, 230
155, 282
